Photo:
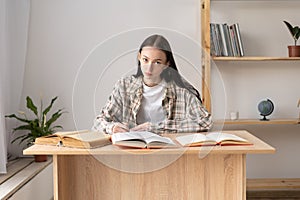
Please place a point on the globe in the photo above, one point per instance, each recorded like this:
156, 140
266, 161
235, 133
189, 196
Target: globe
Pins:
265, 107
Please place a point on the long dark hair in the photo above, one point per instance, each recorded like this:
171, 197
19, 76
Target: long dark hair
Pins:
171, 72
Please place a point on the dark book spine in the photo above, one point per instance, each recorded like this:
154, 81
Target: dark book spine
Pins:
239, 39
228, 40
233, 41
223, 40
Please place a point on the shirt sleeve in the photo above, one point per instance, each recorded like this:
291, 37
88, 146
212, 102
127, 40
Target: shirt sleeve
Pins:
111, 113
195, 119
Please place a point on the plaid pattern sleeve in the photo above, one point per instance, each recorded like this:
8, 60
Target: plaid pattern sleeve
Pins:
122, 105
113, 108
185, 114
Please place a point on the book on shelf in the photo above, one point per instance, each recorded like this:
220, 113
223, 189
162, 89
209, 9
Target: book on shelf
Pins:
226, 40
78, 139
216, 42
211, 139
233, 40
238, 39
142, 139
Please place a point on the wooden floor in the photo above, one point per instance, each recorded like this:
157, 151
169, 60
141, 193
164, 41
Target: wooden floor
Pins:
273, 194
273, 188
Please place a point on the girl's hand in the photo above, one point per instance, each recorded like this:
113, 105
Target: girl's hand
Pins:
142, 127
120, 127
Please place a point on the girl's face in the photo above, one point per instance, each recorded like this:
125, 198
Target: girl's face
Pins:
153, 62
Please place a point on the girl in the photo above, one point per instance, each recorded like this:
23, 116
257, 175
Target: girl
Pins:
155, 99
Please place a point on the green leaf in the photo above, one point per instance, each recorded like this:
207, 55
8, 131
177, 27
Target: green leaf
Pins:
297, 32
23, 127
31, 105
290, 27
50, 106
55, 127
53, 118
18, 118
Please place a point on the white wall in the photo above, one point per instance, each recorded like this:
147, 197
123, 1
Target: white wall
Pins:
62, 34
70, 42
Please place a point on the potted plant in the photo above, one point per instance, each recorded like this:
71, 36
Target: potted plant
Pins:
39, 125
294, 50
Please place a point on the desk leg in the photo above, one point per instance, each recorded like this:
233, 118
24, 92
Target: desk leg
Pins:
55, 177
244, 176
225, 177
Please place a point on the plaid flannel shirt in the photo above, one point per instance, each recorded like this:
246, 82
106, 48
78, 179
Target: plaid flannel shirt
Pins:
183, 111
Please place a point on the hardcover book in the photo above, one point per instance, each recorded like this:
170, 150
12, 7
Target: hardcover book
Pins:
78, 139
142, 139
211, 139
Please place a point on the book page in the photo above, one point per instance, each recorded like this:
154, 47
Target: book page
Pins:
221, 137
88, 140
145, 136
141, 135
124, 136
132, 144
196, 139
49, 139
88, 136
63, 133
159, 139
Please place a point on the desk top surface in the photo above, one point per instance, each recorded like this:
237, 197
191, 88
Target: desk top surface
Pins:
258, 147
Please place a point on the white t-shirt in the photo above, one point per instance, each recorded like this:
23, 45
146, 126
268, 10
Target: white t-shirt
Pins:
151, 109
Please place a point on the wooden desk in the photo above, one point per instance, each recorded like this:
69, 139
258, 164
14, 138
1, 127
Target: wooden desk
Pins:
185, 173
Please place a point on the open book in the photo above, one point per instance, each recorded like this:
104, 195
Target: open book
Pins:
142, 139
209, 139
79, 139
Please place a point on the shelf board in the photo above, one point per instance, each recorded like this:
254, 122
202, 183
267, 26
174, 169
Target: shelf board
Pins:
255, 0
260, 184
257, 121
252, 58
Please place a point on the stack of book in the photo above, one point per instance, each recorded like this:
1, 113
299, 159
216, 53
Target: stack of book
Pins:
226, 40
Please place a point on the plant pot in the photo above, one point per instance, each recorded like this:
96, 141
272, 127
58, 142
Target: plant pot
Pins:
40, 158
294, 51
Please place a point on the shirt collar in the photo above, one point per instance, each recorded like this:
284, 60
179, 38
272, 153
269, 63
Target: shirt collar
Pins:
136, 88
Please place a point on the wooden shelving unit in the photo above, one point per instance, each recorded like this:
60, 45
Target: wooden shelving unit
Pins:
293, 121
262, 184
252, 58
206, 68
205, 42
